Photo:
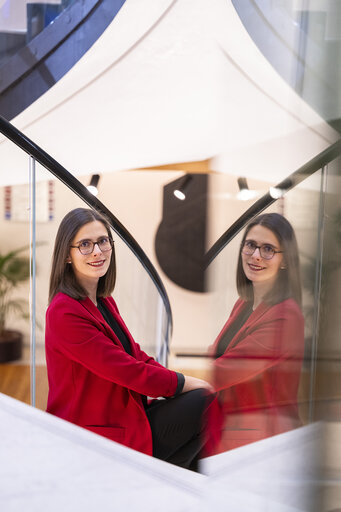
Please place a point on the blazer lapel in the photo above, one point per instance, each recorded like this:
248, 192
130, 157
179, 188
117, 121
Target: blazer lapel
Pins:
257, 313
253, 318
91, 308
93, 311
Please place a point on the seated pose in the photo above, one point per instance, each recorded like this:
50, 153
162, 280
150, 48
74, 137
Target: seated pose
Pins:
99, 378
258, 354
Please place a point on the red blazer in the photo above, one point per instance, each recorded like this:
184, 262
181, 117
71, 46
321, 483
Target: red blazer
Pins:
93, 382
258, 375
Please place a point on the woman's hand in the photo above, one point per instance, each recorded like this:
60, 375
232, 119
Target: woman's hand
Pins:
194, 383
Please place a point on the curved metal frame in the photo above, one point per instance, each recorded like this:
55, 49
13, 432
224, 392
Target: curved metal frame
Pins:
78, 188
291, 181
39, 65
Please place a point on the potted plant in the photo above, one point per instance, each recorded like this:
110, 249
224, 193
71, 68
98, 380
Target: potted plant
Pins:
14, 269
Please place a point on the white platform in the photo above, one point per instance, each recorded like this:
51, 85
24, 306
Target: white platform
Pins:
282, 473
50, 464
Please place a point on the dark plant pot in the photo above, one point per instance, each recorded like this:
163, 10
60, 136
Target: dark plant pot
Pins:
10, 345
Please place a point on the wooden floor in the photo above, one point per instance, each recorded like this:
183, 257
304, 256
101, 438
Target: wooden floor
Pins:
15, 381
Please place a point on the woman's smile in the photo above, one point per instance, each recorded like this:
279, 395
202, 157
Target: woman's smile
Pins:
88, 268
262, 272
96, 263
255, 268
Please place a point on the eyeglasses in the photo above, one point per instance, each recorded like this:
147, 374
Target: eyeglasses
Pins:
265, 250
87, 246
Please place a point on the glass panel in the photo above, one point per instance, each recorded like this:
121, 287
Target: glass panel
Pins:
327, 390
40, 15
21, 21
47, 217
139, 302
301, 39
303, 207
14, 273
249, 409
136, 296
327, 386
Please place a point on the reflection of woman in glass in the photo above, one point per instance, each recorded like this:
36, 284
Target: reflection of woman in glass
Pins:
258, 354
99, 378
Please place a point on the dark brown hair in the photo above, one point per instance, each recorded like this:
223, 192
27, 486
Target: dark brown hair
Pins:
288, 282
62, 277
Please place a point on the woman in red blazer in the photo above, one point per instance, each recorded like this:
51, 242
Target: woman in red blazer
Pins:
99, 378
259, 352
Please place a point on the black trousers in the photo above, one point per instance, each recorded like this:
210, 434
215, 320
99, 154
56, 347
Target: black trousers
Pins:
179, 428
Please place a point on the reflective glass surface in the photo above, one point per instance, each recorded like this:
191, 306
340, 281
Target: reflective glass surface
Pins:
137, 298
15, 276
301, 39
21, 21
302, 208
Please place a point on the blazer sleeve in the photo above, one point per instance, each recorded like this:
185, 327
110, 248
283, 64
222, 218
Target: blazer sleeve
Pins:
277, 336
75, 334
145, 357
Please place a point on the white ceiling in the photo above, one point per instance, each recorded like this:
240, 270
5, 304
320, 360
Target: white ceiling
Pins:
172, 81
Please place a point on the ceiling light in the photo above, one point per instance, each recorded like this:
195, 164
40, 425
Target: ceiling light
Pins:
92, 187
180, 191
276, 192
245, 194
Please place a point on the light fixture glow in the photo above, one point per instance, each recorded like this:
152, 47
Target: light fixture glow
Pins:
245, 194
180, 195
276, 193
93, 190
180, 191
92, 187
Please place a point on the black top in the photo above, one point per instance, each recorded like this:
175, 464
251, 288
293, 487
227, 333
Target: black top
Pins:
114, 325
125, 341
229, 334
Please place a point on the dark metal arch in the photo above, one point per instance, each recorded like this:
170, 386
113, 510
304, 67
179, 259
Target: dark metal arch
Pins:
43, 61
79, 189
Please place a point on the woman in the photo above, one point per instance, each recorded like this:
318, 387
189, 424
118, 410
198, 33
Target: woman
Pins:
259, 352
99, 378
